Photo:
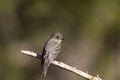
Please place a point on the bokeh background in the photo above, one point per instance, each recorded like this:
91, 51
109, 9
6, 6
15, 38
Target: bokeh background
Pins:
92, 37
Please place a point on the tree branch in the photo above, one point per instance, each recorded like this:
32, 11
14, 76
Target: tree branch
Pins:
64, 66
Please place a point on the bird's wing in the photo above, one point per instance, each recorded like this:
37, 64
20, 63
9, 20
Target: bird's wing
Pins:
50, 47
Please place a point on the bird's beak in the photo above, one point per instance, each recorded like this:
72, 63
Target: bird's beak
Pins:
63, 38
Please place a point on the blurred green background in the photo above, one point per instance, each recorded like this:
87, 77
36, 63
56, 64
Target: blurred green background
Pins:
92, 37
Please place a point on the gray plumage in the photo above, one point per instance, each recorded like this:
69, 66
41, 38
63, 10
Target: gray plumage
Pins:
50, 51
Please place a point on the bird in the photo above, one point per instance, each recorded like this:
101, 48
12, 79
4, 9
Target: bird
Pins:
50, 51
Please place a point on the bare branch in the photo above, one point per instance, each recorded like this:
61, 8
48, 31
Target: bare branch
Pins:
64, 66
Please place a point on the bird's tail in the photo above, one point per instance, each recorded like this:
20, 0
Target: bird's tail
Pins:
44, 69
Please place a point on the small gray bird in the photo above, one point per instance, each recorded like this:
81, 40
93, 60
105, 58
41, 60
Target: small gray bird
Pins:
50, 51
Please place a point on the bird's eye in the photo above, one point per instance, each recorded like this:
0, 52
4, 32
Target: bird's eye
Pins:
57, 37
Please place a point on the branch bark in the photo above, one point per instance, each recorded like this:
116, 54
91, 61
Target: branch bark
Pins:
64, 66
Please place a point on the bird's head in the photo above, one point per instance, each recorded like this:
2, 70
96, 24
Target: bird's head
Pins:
57, 36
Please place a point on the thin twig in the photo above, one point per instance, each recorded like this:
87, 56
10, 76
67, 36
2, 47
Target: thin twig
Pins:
64, 66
